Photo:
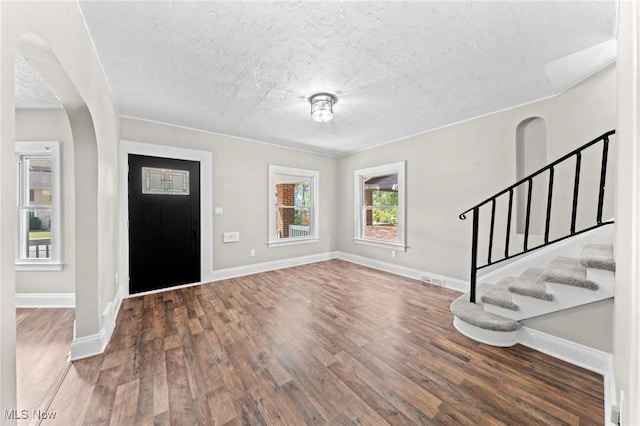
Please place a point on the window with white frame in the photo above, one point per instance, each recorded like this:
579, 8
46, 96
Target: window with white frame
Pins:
380, 206
38, 238
293, 205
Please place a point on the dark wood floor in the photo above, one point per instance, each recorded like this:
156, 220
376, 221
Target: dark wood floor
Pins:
43, 341
327, 343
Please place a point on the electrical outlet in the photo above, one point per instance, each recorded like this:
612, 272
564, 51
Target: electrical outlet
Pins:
393, 253
253, 252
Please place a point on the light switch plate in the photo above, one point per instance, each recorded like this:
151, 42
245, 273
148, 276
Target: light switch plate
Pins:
217, 210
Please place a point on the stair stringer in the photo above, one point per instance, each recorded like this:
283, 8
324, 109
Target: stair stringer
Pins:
564, 297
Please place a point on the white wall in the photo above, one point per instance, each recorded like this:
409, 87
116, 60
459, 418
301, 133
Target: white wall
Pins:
588, 325
94, 122
626, 350
240, 187
52, 125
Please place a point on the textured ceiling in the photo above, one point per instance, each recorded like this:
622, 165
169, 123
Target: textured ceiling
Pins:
31, 90
398, 68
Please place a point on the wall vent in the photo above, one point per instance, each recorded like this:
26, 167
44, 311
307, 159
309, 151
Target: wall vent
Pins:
431, 280
438, 282
426, 279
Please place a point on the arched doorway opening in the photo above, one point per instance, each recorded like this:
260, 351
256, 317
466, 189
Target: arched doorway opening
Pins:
77, 193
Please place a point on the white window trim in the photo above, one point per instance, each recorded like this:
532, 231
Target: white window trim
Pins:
51, 148
314, 187
359, 177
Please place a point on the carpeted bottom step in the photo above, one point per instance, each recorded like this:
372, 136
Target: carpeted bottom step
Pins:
530, 283
599, 256
569, 271
474, 314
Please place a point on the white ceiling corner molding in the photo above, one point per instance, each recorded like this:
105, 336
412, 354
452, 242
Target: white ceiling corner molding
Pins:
568, 71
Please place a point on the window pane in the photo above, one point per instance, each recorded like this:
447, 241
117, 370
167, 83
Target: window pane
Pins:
35, 233
38, 185
382, 183
380, 208
293, 214
293, 201
381, 224
293, 222
385, 198
302, 193
293, 191
38, 203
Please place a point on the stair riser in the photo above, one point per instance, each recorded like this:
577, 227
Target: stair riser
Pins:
601, 277
493, 338
569, 292
530, 307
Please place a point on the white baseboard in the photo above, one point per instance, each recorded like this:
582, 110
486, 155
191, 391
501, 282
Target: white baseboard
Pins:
405, 271
240, 271
110, 313
416, 274
86, 346
45, 300
95, 344
582, 356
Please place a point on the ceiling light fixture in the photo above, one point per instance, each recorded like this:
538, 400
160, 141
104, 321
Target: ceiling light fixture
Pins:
322, 106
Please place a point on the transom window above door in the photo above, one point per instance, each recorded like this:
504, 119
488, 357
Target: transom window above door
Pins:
293, 205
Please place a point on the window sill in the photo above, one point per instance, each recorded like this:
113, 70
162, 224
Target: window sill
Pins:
292, 241
39, 267
381, 244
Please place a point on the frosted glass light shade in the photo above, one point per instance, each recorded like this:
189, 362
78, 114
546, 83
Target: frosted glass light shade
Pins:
322, 107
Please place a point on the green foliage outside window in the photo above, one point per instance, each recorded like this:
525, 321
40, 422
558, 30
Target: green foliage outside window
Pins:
388, 215
302, 197
34, 222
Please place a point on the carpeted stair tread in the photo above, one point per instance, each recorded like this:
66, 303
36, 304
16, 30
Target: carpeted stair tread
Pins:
529, 283
498, 294
474, 314
599, 256
568, 271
